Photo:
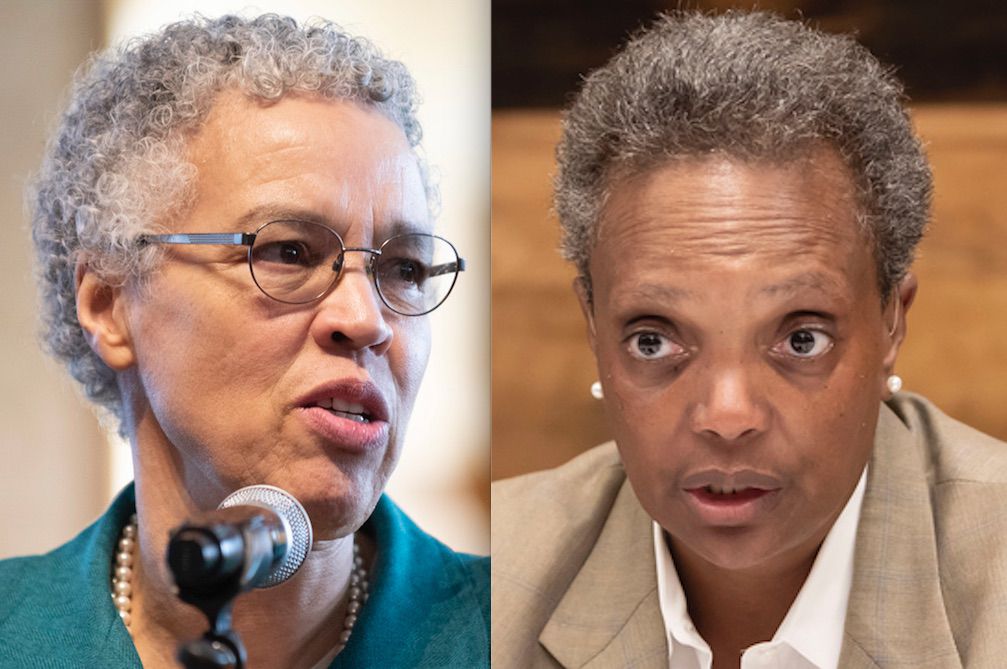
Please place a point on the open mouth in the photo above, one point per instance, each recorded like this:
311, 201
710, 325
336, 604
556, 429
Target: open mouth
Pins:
712, 494
718, 490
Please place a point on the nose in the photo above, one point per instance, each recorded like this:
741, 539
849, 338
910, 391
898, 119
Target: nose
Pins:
351, 316
732, 409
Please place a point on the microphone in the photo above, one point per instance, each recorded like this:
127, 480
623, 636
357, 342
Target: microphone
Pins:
257, 538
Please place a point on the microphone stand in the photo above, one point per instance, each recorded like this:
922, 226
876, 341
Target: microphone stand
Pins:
220, 647
212, 565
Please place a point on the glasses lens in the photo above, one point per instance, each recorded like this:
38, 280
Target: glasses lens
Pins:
415, 272
292, 261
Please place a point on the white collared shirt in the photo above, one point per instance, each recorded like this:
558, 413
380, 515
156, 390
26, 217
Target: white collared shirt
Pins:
811, 634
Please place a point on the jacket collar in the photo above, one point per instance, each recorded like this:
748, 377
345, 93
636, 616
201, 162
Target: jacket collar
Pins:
610, 615
427, 606
896, 613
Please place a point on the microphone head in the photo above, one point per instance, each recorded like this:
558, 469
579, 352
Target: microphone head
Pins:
292, 515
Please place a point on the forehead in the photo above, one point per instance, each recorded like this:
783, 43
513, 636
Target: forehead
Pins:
338, 160
786, 225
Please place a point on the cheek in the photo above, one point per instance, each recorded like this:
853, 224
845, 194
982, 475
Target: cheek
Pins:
845, 408
408, 358
839, 431
650, 427
655, 450
197, 344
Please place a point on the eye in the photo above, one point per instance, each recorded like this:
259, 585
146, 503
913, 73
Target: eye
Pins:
409, 271
404, 271
805, 343
290, 252
652, 346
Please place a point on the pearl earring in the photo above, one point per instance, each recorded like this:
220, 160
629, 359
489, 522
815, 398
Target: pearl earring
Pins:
894, 383
596, 391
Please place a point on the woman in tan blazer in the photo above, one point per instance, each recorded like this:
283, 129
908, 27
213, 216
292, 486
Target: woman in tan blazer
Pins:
742, 197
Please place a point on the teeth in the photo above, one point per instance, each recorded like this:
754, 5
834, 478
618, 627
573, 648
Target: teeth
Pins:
336, 404
718, 490
352, 416
347, 407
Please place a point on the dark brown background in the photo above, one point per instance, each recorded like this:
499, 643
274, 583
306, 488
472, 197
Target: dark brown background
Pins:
954, 61
943, 49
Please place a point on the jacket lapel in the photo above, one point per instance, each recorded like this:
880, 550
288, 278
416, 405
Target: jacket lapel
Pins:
896, 612
610, 615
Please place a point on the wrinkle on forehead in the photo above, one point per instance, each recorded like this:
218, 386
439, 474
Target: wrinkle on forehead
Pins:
715, 230
718, 206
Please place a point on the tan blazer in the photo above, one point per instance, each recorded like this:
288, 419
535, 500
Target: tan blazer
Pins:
574, 581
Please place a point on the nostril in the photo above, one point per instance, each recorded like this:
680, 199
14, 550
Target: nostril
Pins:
339, 337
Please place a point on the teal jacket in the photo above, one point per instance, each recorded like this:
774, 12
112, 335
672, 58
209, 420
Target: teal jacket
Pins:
429, 606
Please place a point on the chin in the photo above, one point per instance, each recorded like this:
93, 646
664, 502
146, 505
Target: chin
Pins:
733, 549
337, 513
338, 496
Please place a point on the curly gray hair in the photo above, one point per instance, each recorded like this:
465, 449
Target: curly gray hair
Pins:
115, 164
751, 86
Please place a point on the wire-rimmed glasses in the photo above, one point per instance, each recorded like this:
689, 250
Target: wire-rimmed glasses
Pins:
298, 262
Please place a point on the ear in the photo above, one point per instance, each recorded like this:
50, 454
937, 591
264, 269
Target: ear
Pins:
895, 313
583, 290
102, 315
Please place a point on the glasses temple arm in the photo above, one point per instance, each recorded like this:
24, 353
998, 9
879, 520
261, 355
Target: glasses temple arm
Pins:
448, 268
221, 238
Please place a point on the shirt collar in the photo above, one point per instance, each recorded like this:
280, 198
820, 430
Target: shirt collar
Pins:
814, 623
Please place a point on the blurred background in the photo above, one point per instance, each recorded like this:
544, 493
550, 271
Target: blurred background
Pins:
952, 58
59, 468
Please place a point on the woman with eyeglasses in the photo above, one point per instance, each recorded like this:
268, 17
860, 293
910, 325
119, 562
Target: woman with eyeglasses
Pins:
238, 260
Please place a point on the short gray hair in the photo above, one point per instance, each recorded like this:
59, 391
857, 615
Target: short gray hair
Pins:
752, 86
115, 164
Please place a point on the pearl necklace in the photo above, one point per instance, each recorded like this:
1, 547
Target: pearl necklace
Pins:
122, 572
122, 583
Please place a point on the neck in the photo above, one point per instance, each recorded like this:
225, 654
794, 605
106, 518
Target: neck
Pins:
733, 609
294, 624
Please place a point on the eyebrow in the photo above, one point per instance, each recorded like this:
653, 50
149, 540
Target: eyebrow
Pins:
259, 216
813, 280
660, 293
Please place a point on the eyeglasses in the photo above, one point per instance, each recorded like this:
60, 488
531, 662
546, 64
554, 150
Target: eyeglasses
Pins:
297, 262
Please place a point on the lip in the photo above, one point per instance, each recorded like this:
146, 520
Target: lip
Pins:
346, 433
756, 494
